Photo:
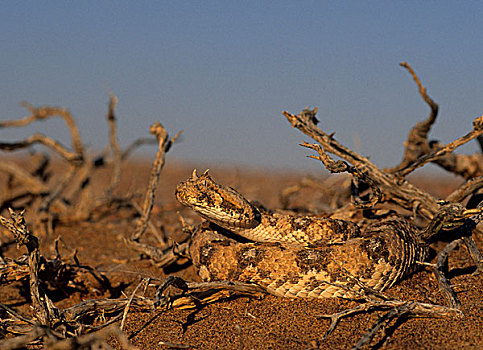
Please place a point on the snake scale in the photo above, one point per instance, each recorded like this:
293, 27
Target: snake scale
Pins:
292, 256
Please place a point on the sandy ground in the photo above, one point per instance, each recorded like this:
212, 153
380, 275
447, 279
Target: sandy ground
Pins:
249, 323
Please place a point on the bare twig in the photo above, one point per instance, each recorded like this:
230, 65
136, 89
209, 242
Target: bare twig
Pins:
46, 141
474, 252
397, 309
340, 166
135, 144
422, 90
400, 192
465, 165
42, 113
448, 148
126, 309
159, 236
43, 210
164, 144
201, 293
54, 341
161, 257
444, 284
16, 314
41, 303
468, 188
417, 142
34, 185
116, 151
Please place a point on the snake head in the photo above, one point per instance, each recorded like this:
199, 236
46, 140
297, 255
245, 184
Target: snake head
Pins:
219, 204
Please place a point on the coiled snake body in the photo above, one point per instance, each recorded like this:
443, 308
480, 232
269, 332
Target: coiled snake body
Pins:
295, 256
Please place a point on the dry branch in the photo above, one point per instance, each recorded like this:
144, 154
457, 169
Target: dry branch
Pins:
56, 324
444, 284
164, 145
340, 166
465, 165
442, 151
397, 308
395, 190
55, 341
34, 185
419, 150
417, 142
135, 144
116, 150
45, 112
41, 303
196, 294
46, 141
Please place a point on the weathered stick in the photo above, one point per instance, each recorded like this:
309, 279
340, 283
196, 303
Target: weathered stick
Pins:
116, 150
164, 145
41, 303
135, 144
444, 284
340, 166
396, 190
45, 112
418, 145
442, 151
46, 141
417, 142
34, 185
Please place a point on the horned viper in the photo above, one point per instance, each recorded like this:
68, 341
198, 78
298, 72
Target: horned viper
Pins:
294, 256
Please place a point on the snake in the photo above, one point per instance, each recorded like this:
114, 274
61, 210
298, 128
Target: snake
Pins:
295, 256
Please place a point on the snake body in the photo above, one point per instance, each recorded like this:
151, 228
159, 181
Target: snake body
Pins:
294, 256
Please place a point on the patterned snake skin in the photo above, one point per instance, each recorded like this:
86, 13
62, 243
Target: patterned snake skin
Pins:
295, 256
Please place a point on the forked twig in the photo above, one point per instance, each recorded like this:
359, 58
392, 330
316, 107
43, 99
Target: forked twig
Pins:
45, 112
418, 145
360, 176
400, 192
417, 142
442, 151
397, 309
164, 145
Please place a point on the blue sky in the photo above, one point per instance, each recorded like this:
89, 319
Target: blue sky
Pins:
224, 70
